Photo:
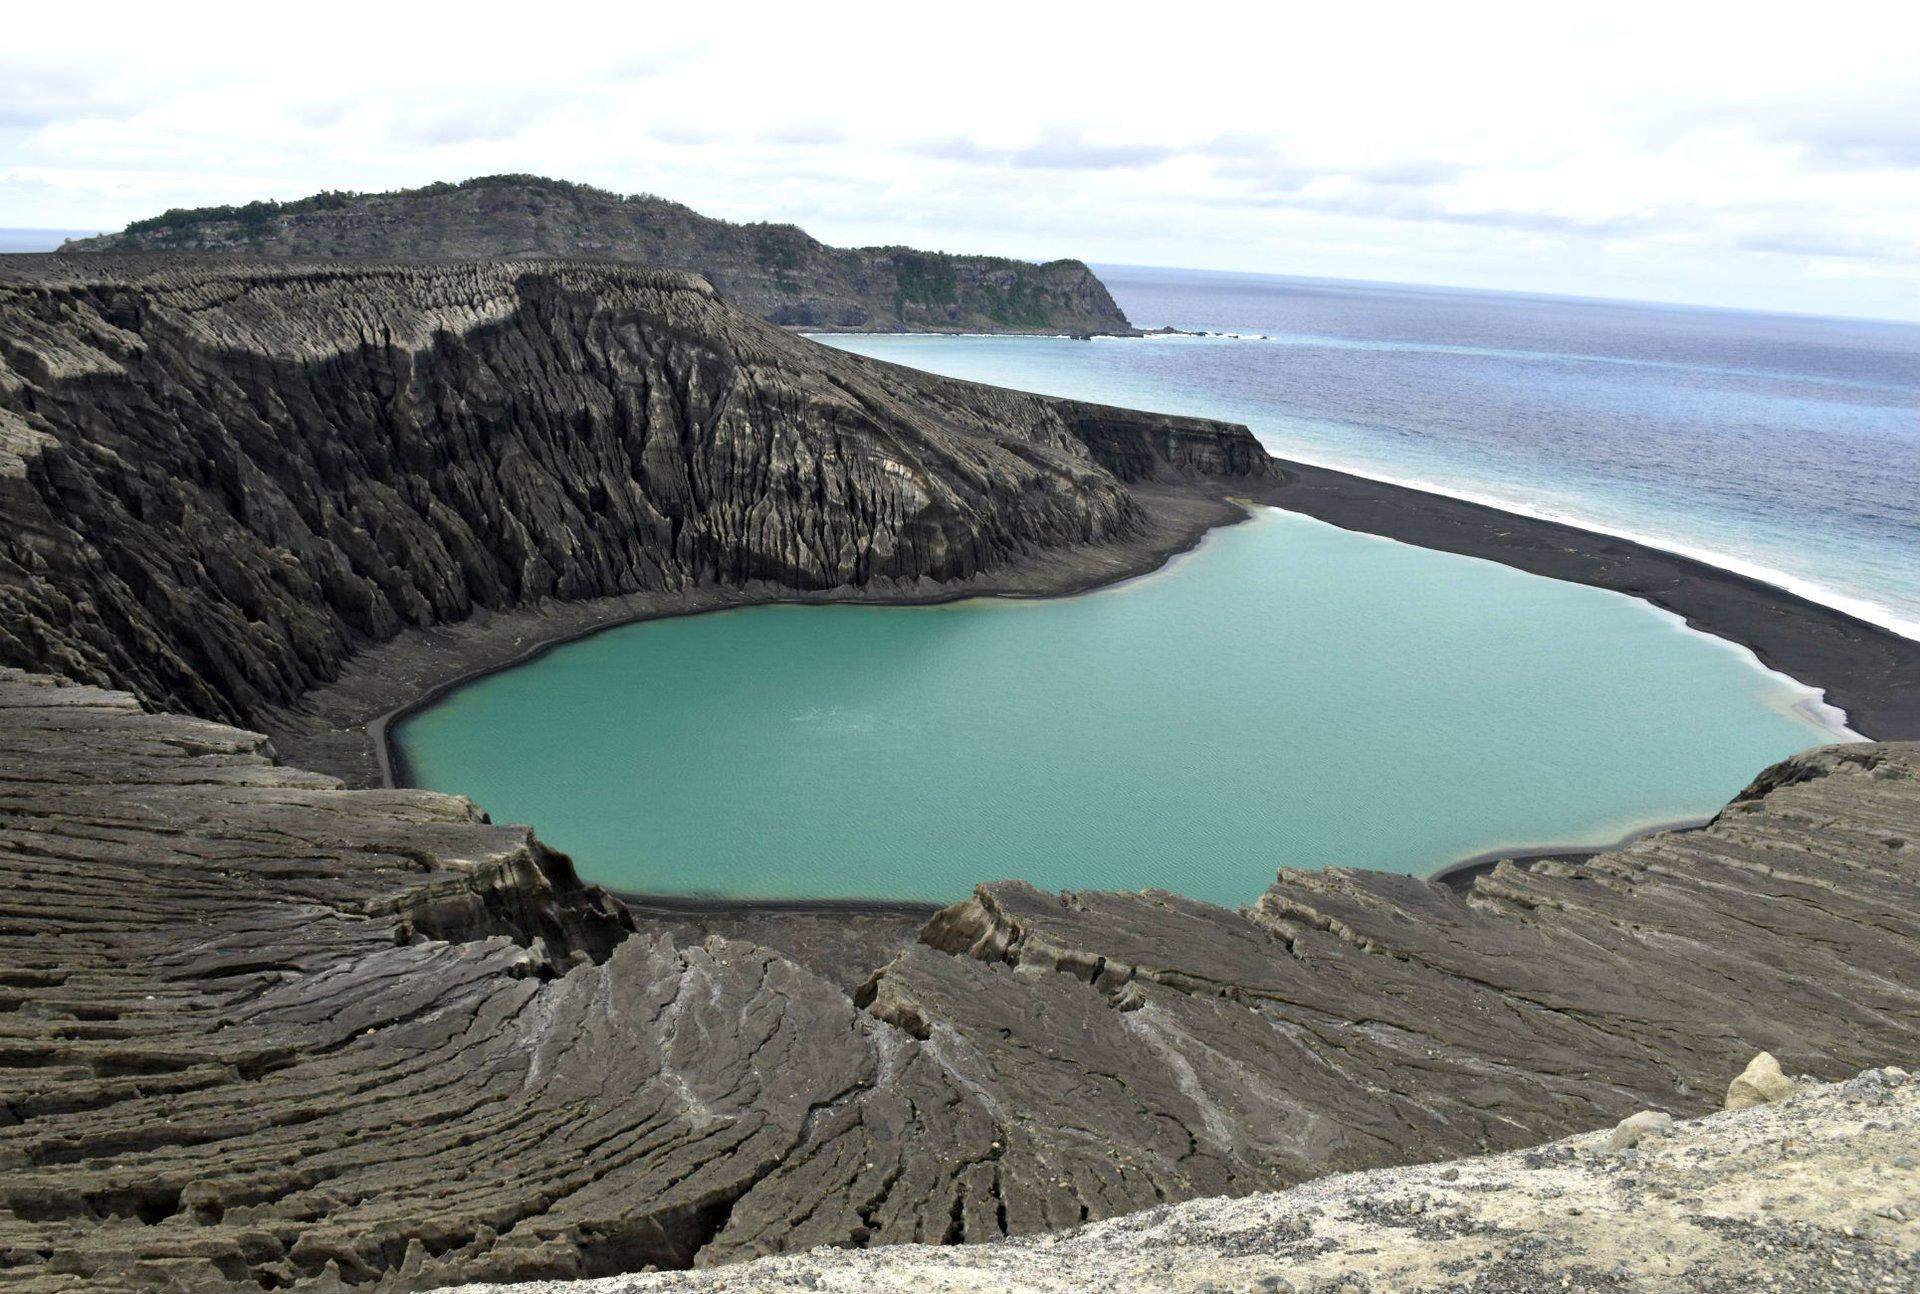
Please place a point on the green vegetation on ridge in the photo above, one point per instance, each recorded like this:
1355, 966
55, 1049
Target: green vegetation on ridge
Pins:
776, 270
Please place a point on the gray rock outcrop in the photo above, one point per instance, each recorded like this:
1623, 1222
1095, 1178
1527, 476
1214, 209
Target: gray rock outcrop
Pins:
775, 271
1636, 1128
1808, 1198
1759, 1083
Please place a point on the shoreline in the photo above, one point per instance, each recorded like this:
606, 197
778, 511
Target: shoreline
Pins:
1460, 874
696, 905
1869, 673
1802, 588
1805, 590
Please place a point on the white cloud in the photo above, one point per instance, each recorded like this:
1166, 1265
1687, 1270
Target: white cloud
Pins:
1706, 152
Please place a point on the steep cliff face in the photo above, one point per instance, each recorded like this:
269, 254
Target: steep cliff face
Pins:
1138, 446
218, 479
775, 271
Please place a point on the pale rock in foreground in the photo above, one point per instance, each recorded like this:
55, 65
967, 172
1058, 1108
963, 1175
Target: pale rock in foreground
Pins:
1761, 1082
1636, 1128
1816, 1192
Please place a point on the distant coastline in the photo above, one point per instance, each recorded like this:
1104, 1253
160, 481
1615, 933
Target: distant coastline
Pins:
1772, 446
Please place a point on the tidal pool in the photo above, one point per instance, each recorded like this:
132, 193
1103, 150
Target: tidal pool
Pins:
1288, 694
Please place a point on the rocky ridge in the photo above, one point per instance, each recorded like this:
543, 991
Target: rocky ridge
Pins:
775, 271
1815, 1196
219, 480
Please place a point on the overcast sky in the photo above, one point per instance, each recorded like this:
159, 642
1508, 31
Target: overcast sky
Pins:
1740, 155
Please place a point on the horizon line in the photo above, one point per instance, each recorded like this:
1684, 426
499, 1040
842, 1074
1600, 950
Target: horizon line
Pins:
1597, 298
1587, 298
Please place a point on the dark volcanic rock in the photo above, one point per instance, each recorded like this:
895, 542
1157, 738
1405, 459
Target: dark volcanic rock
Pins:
775, 271
259, 1031
217, 480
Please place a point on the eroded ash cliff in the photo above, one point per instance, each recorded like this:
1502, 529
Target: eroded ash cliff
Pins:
219, 479
776, 271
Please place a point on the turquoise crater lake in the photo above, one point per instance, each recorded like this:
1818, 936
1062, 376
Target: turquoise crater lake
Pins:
1288, 694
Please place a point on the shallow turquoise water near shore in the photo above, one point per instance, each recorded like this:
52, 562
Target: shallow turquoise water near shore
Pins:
1288, 694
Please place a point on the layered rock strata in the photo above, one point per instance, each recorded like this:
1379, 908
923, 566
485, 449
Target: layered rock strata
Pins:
775, 271
262, 1032
1817, 1196
218, 480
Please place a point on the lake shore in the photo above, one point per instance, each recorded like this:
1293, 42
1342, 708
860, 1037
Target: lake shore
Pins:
1872, 674
1461, 875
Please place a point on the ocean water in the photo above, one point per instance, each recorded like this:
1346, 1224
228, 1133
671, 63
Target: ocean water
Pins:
1287, 694
1786, 447
38, 240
